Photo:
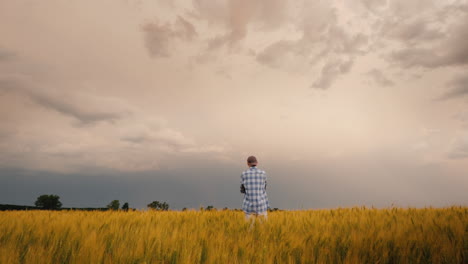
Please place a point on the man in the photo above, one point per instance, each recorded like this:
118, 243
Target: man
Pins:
253, 185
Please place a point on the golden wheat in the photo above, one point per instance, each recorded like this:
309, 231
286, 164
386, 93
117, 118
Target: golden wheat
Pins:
344, 235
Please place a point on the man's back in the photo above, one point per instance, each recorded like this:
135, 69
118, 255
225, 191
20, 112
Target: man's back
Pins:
255, 199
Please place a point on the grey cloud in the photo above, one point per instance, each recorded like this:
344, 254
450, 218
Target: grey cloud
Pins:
459, 88
462, 117
459, 153
63, 103
167, 139
449, 51
215, 12
402, 9
184, 29
74, 110
322, 35
160, 37
7, 55
272, 13
135, 139
9, 84
236, 15
176, 141
125, 133
411, 57
217, 42
239, 17
319, 41
331, 71
458, 51
276, 54
459, 148
378, 77
157, 39
6, 132
374, 6
412, 31
341, 42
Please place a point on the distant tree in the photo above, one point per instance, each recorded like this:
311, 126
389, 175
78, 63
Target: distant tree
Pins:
156, 205
48, 202
114, 205
209, 207
125, 207
184, 209
225, 209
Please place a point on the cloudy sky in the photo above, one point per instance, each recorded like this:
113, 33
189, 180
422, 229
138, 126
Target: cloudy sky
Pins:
343, 102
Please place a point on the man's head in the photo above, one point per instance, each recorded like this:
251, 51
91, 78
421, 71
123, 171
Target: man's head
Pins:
252, 161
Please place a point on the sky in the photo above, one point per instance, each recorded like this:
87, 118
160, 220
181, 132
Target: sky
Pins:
344, 103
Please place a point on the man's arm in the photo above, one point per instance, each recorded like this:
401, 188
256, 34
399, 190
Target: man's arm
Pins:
242, 187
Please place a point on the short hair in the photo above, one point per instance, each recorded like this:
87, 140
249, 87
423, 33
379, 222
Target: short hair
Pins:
252, 159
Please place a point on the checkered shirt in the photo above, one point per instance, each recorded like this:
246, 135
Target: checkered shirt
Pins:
255, 197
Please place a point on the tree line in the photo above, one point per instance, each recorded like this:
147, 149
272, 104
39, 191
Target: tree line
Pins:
52, 202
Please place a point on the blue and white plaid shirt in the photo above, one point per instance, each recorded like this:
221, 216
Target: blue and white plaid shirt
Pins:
255, 198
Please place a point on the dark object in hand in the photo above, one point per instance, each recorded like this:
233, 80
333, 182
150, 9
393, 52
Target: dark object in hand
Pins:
242, 188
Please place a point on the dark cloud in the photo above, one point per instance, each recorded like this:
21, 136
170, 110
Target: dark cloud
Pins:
379, 78
291, 185
160, 37
195, 186
458, 88
21, 186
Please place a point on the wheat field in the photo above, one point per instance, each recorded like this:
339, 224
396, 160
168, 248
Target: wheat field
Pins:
343, 235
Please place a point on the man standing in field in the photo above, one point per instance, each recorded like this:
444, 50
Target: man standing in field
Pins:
253, 186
